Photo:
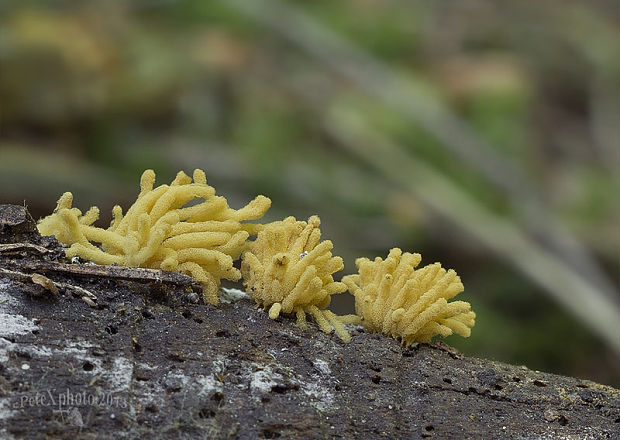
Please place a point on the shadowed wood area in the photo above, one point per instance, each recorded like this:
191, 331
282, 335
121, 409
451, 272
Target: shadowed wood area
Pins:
141, 358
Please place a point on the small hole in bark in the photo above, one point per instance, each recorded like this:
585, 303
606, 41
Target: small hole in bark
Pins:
186, 314
88, 366
472, 389
265, 399
206, 413
281, 389
35, 332
142, 378
498, 387
270, 433
137, 346
429, 427
337, 387
23, 354
222, 334
539, 383
111, 329
152, 408
174, 356
563, 420
198, 320
582, 385
447, 380
516, 379
147, 314
376, 379
217, 397
617, 420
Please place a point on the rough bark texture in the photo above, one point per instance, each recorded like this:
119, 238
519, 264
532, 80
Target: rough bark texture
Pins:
144, 361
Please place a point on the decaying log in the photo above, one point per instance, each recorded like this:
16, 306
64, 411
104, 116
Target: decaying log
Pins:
136, 274
147, 362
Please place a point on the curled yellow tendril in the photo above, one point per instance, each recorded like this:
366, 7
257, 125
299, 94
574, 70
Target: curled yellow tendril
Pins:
160, 230
395, 298
289, 270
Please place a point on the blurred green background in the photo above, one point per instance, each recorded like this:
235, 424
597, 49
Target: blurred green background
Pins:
483, 135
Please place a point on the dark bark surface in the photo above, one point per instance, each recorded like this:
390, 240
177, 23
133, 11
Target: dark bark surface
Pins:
141, 359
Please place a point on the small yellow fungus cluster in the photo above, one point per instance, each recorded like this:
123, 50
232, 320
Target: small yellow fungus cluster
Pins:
394, 298
288, 269
185, 227
160, 230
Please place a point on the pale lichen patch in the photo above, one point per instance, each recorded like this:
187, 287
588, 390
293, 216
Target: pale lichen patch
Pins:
263, 380
11, 322
322, 366
229, 296
120, 376
266, 379
320, 396
6, 413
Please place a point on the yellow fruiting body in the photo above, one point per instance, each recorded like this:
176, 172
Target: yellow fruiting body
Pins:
287, 269
394, 298
160, 231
